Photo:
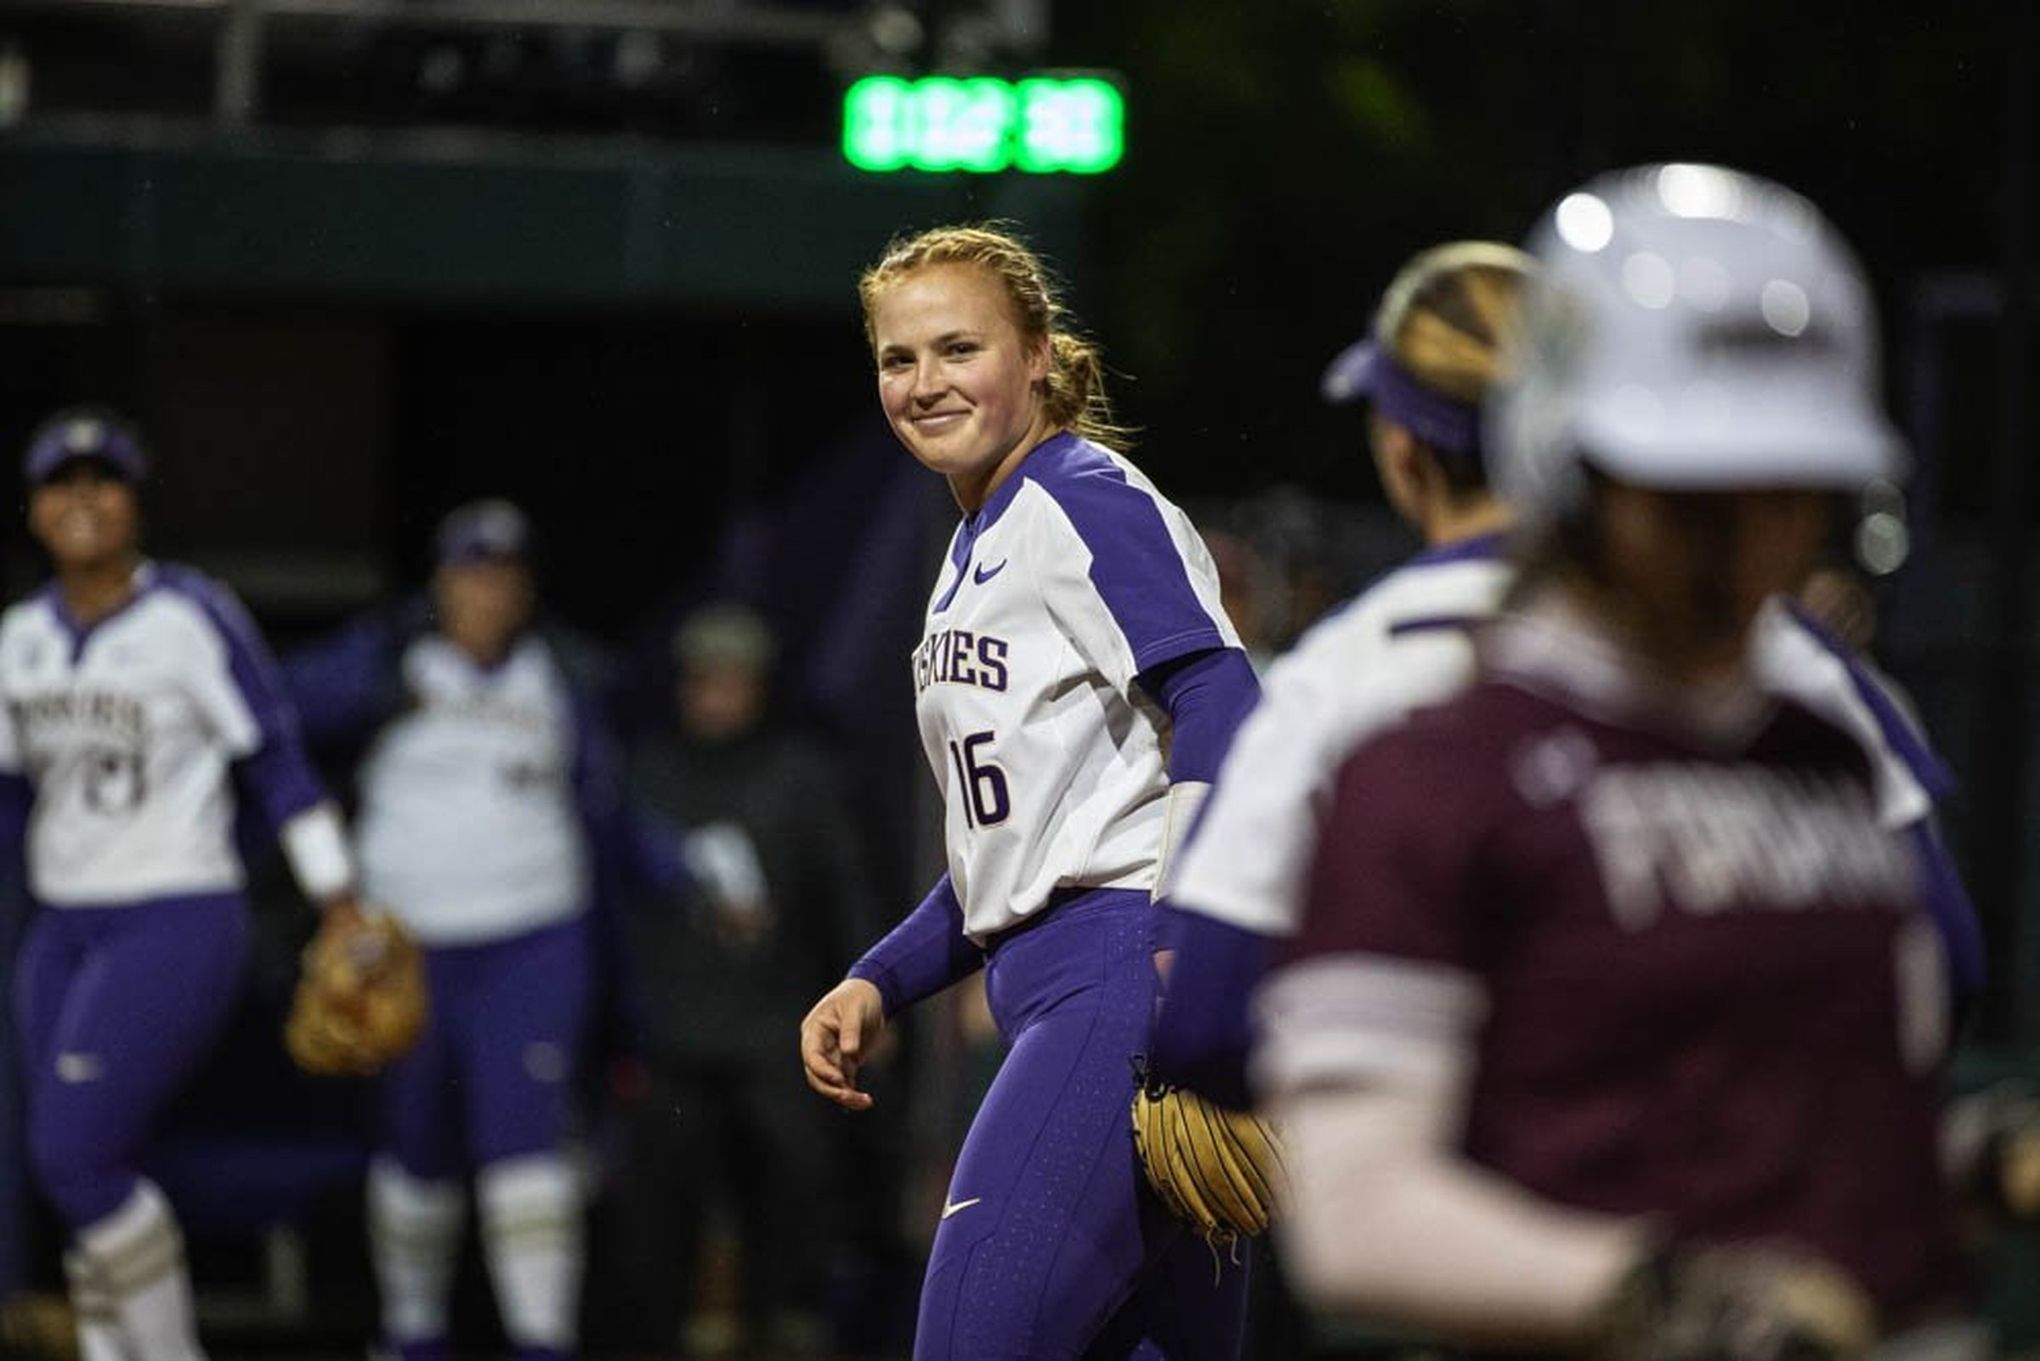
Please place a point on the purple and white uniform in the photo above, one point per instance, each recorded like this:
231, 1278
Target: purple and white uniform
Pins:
126, 734
1075, 662
1683, 963
1405, 643
482, 794
470, 833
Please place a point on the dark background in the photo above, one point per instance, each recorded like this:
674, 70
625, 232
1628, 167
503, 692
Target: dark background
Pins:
628, 301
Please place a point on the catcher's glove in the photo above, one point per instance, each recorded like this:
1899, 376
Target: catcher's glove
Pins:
361, 999
1219, 1169
1735, 1303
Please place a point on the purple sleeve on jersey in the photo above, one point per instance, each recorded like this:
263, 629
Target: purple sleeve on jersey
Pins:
923, 954
17, 796
631, 847
1208, 695
623, 848
1203, 1031
656, 853
1947, 900
277, 773
1134, 563
346, 685
1948, 903
1898, 730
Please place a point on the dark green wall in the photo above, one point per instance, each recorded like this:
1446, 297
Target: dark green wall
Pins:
455, 217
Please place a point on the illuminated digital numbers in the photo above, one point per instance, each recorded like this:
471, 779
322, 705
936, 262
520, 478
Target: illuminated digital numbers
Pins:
1039, 125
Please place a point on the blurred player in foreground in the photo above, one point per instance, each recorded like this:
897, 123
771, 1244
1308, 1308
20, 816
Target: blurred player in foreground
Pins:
1616, 1019
1076, 686
484, 794
1408, 641
1424, 367
136, 693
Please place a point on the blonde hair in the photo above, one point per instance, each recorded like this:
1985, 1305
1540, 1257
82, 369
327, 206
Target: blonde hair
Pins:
1445, 313
1074, 396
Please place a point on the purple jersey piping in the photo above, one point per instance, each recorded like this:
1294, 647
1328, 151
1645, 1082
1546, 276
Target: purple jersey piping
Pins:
1135, 567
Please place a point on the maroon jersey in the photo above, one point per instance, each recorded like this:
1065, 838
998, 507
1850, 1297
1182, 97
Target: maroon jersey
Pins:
1687, 963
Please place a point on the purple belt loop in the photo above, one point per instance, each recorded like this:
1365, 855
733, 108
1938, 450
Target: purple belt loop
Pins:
1431, 416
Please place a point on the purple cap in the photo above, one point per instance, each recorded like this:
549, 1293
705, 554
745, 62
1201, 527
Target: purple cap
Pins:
1363, 371
84, 434
481, 530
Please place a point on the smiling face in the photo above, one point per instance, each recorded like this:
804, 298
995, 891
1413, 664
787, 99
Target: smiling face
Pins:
960, 383
86, 515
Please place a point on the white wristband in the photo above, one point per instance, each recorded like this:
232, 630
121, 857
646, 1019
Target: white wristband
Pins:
1185, 798
315, 843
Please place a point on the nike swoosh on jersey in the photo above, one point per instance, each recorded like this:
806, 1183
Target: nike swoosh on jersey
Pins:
981, 575
949, 1209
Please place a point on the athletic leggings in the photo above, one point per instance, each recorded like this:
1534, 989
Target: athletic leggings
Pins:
115, 1007
493, 1075
1051, 1244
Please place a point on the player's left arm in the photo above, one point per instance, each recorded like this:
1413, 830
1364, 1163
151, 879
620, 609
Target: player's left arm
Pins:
1211, 965
1207, 695
1990, 1139
1910, 779
242, 695
347, 684
622, 849
1146, 613
1140, 599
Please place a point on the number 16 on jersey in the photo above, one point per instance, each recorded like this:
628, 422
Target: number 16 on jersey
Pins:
980, 781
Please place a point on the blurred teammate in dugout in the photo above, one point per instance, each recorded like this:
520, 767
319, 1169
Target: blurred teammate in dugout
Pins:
735, 1230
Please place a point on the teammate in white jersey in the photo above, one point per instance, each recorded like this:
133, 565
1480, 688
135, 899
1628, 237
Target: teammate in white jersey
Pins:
486, 795
1076, 683
1613, 1023
137, 694
1408, 642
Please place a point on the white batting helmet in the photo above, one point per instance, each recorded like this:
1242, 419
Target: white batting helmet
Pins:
1692, 328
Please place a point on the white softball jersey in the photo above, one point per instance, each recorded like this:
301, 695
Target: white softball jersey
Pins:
468, 828
1405, 642
1408, 642
1074, 577
127, 728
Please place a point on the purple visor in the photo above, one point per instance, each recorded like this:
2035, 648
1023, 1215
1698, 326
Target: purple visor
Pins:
1365, 372
78, 437
482, 530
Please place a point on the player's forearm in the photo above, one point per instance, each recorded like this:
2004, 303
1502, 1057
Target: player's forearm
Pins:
1388, 1223
1207, 696
1276, 762
1203, 1032
924, 954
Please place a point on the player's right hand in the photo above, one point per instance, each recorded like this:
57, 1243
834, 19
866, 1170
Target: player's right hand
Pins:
838, 1034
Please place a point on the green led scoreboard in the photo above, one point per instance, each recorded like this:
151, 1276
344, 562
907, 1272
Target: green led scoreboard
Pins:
1040, 125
